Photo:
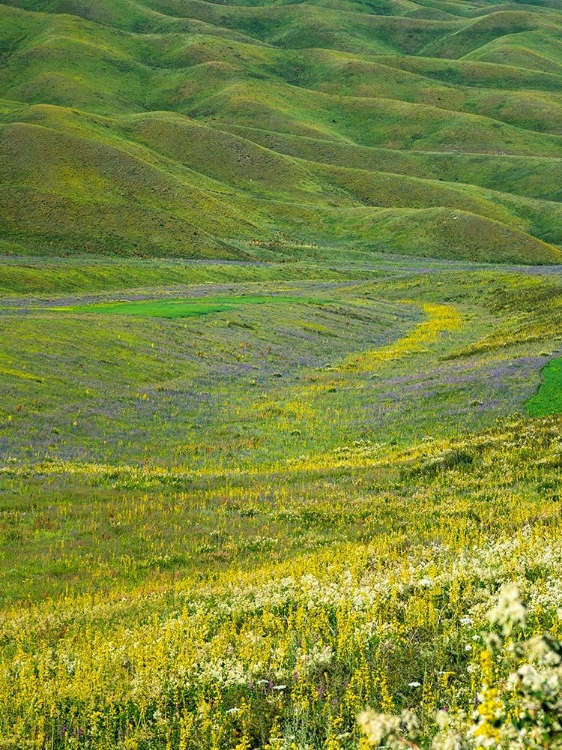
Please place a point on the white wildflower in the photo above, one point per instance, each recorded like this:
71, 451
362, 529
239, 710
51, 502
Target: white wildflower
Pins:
390, 730
318, 656
509, 613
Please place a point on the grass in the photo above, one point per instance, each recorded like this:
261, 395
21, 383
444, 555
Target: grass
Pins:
218, 530
37, 277
180, 308
166, 130
280, 324
548, 399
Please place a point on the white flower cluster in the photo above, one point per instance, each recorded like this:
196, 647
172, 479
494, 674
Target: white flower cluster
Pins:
522, 711
510, 612
318, 657
388, 731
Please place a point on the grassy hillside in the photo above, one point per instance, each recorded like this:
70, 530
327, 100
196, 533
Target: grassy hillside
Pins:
280, 374
205, 130
241, 502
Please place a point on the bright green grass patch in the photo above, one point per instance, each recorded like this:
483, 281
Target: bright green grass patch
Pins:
184, 308
548, 399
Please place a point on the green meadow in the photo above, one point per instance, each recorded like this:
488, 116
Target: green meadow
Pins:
234, 131
547, 400
236, 514
280, 375
181, 308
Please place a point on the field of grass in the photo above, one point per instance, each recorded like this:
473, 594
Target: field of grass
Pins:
182, 308
240, 130
240, 529
280, 374
548, 399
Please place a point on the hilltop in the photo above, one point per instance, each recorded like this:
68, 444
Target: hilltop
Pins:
236, 130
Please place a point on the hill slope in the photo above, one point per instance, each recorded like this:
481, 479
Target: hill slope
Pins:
198, 129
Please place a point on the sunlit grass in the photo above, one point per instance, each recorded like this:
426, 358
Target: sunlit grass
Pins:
243, 133
548, 399
184, 308
214, 534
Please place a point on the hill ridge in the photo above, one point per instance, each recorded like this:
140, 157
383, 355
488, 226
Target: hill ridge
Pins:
140, 78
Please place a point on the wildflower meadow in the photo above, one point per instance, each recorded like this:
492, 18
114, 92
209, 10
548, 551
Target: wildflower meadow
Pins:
313, 512
280, 374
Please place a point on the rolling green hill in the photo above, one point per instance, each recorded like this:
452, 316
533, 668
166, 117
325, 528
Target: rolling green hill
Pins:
280, 374
184, 128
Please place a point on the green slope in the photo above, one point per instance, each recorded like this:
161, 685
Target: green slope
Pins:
200, 129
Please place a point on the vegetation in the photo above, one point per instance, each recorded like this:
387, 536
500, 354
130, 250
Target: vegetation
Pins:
244, 528
548, 398
239, 130
281, 374
181, 308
